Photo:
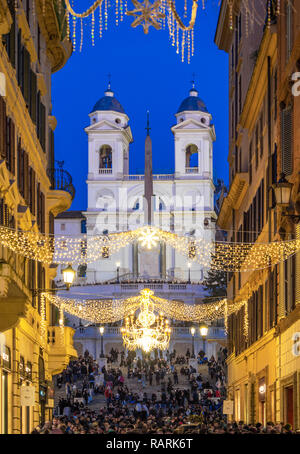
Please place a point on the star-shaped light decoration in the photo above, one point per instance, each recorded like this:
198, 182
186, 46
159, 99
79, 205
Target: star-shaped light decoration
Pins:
148, 238
146, 14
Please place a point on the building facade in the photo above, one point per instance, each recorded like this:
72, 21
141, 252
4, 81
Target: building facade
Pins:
263, 368
183, 202
32, 193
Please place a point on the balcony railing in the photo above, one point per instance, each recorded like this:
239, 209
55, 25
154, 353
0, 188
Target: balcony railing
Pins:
191, 170
105, 171
61, 180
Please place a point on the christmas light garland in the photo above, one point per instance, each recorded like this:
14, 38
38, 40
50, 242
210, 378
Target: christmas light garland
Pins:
159, 13
113, 310
85, 249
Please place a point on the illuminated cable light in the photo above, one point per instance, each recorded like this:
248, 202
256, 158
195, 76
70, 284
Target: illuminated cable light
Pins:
225, 256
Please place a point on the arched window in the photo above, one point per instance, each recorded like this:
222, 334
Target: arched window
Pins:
105, 157
191, 157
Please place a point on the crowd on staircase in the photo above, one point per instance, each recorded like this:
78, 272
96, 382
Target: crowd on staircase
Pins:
146, 395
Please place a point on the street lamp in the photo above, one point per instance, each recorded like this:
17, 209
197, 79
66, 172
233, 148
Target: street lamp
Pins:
68, 276
203, 332
193, 341
283, 191
189, 267
101, 329
118, 271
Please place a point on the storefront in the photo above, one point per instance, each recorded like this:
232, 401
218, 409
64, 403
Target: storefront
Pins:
26, 411
262, 401
6, 379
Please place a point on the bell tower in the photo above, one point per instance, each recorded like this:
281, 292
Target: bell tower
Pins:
109, 136
194, 135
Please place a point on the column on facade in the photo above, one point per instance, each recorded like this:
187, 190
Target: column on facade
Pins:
162, 258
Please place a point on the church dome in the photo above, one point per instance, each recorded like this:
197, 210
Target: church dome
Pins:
192, 103
108, 102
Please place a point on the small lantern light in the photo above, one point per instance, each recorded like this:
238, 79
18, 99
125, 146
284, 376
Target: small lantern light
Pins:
193, 331
69, 276
101, 329
283, 191
203, 330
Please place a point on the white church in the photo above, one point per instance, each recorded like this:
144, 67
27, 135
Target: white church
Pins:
182, 202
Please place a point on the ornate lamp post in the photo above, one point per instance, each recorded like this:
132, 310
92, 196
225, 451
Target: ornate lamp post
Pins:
283, 191
101, 329
118, 271
189, 267
68, 276
203, 332
193, 341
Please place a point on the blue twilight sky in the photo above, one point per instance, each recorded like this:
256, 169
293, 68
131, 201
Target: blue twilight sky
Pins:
146, 74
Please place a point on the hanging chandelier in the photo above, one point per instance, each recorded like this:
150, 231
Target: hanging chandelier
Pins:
146, 331
161, 14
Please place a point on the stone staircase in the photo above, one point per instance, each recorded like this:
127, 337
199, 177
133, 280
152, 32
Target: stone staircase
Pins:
134, 386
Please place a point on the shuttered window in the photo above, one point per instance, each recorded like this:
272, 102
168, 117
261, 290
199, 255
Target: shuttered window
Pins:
289, 28
26, 86
10, 38
287, 140
33, 95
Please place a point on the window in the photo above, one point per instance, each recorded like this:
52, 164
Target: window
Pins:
191, 157
250, 163
62, 227
287, 140
261, 135
289, 27
256, 146
240, 95
105, 157
83, 226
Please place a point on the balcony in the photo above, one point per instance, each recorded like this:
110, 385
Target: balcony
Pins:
14, 296
5, 18
53, 27
61, 192
61, 349
234, 198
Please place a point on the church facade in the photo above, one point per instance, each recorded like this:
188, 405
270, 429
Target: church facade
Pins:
182, 202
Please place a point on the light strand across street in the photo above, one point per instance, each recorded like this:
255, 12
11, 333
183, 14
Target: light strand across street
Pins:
85, 249
113, 310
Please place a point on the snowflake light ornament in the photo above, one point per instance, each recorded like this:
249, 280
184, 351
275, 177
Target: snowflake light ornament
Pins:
148, 238
146, 14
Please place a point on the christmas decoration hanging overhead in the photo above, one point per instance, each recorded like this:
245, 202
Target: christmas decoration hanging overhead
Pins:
84, 249
163, 14
146, 14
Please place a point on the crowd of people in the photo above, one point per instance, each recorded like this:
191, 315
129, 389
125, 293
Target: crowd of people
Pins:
164, 408
119, 420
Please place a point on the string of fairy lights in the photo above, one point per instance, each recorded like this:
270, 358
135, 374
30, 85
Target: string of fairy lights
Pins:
161, 14
113, 310
86, 249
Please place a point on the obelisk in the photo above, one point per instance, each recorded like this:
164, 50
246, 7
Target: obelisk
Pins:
148, 181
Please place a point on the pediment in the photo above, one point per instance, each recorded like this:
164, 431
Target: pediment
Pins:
190, 123
104, 125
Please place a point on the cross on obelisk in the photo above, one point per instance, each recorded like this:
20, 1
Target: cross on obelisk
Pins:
148, 181
109, 81
193, 80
